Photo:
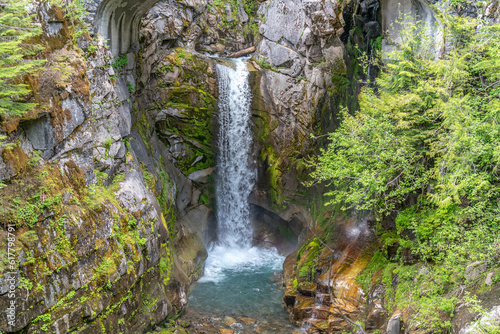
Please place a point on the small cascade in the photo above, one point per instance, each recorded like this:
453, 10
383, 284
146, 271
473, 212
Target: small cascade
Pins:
318, 314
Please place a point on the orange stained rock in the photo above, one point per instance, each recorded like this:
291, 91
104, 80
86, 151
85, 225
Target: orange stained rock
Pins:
248, 321
345, 306
342, 276
229, 321
226, 331
303, 301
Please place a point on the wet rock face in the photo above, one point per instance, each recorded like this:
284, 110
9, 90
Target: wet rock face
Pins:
294, 60
411, 11
316, 277
272, 231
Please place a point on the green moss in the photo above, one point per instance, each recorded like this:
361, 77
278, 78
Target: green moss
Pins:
195, 126
43, 318
366, 278
307, 264
286, 232
205, 199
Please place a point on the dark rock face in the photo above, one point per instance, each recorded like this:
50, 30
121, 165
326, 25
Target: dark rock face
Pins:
271, 231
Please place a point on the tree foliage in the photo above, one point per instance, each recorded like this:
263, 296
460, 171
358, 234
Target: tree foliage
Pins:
428, 128
19, 49
16, 32
425, 146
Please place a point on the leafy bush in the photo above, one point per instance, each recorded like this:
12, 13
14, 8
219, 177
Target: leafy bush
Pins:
428, 128
425, 146
120, 62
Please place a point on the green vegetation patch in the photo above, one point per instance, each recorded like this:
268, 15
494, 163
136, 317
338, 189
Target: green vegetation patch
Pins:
307, 259
424, 147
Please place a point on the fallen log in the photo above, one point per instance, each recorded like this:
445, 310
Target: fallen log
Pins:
242, 53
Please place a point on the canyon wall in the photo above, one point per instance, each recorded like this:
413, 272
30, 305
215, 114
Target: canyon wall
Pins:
109, 183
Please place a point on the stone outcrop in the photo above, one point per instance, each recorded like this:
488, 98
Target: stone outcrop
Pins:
95, 249
490, 320
299, 48
321, 273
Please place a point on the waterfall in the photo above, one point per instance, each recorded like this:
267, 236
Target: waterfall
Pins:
235, 177
236, 275
233, 256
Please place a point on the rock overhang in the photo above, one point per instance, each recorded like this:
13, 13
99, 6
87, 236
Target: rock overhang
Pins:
117, 21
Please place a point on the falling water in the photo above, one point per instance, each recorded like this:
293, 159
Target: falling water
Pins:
236, 281
236, 178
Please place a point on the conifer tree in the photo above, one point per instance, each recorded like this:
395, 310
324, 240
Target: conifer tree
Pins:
17, 31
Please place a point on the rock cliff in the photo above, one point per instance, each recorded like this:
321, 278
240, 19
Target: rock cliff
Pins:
107, 186
109, 229
326, 283
118, 158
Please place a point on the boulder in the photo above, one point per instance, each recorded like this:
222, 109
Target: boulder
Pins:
285, 59
489, 320
77, 116
200, 219
248, 321
40, 133
226, 331
229, 321
201, 176
489, 280
394, 324
473, 270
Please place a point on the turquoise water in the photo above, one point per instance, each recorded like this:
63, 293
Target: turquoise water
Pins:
237, 279
241, 283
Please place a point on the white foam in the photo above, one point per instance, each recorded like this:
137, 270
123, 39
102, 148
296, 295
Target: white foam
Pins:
223, 260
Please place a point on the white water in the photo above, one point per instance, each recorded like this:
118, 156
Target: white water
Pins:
235, 178
234, 251
223, 262
236, 280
